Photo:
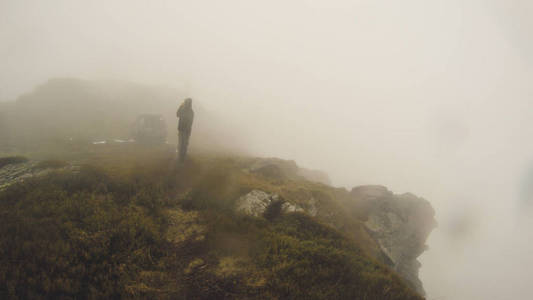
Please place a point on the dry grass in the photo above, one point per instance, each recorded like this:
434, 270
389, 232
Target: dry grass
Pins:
131, 224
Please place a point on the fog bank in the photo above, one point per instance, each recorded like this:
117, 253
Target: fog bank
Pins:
428, 97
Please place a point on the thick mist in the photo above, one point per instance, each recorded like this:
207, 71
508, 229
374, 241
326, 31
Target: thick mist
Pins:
428, 97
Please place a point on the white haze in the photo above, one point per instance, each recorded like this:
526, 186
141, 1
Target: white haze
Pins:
431, 97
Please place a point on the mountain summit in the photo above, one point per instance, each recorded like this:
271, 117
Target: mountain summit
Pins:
122, 221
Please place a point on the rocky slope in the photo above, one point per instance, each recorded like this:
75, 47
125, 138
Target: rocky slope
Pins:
125, 225
399, 224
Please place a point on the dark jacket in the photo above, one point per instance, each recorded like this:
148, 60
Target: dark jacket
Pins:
186, 117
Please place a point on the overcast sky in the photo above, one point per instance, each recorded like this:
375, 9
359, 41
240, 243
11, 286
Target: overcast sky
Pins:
430, 97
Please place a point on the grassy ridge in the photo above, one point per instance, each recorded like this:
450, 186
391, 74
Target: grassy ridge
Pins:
132, 226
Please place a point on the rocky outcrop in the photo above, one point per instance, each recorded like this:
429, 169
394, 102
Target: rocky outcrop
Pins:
257, 202
400, 224
397, 226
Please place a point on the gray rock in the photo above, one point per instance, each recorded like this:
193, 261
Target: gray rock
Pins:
287, 207
400, 224
256, 202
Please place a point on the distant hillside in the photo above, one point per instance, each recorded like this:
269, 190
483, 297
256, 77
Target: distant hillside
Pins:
86, 111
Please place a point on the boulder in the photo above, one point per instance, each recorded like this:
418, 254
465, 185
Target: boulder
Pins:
257, 202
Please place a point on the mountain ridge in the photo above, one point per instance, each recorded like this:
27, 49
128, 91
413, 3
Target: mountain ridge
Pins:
123, 220
194, 211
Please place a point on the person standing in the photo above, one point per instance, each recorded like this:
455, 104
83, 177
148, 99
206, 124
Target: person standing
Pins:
186, 117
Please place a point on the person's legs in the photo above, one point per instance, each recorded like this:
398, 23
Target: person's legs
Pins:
183, 144
178, 145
